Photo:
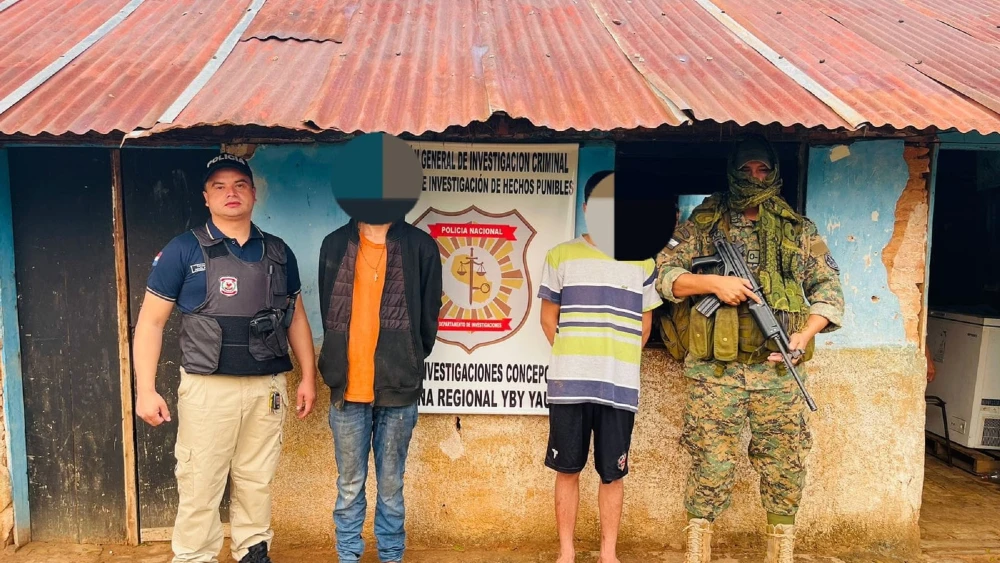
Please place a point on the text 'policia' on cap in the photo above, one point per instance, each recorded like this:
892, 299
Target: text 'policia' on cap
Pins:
227, 160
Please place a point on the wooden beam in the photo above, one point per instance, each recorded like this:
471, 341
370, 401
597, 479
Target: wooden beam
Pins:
926, 288
124, 351
10, 366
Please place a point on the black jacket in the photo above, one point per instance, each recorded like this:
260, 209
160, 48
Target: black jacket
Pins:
411, 303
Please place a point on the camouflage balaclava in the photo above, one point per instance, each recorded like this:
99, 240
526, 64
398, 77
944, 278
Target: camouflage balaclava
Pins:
777, 222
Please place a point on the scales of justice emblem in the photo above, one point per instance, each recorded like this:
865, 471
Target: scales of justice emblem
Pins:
486, 285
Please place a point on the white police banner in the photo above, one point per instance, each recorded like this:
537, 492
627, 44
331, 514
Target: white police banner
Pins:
494, 211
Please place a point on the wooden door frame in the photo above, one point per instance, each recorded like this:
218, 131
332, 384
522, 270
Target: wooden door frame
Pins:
125, 352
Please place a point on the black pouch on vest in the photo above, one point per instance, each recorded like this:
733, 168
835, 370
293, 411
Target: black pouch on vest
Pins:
268, 339
201, 344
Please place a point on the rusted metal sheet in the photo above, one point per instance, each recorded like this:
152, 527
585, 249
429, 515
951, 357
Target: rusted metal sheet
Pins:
978, 18
944, 53
703, 67
420, 65
304, 20
570, 75
131, 76
407, 66
69, 56
416, 66
879, 86
214, 64
35, 34
268, 83
852, 117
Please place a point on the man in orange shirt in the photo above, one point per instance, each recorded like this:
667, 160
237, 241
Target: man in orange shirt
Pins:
380, 296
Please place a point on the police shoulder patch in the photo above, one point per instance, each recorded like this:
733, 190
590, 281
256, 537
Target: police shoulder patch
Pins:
831, 262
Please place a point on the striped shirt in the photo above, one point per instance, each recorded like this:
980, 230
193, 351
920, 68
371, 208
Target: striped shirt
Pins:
598, 344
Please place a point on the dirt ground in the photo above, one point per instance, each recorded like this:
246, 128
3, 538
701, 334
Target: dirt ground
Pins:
960, 514
160, 553
960, 523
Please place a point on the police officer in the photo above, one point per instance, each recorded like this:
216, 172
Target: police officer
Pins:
236, 287
733, 375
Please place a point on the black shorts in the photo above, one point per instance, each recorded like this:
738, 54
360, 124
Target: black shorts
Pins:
570, 427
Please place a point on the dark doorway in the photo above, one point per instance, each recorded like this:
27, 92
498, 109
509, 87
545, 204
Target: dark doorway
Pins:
966, 232
961, 497
67, 308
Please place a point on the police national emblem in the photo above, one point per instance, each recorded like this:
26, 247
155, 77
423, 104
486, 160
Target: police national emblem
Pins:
228, 286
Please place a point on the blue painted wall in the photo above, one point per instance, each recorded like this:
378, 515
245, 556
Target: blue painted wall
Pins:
687, 203
10, 359
594, 157
296, 202
852, 199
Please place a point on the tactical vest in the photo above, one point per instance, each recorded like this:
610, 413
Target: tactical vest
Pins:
241, 327
731, 334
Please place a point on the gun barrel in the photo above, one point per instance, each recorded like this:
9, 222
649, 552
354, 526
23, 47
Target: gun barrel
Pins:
791, 369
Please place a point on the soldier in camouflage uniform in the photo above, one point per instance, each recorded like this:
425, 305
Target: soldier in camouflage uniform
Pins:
734, 375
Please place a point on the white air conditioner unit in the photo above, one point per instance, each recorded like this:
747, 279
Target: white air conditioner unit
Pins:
966, 353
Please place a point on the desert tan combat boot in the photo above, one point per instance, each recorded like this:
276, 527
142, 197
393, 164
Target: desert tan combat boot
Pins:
780, 540
699, 541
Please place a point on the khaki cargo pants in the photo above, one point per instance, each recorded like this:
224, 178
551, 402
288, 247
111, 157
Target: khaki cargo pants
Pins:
225, 427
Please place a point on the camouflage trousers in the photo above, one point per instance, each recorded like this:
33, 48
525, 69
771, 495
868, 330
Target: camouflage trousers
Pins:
780, 441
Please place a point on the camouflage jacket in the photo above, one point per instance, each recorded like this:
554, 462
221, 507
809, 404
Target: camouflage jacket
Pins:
818, 275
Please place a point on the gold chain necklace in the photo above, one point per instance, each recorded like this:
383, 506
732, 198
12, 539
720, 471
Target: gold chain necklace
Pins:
379, 261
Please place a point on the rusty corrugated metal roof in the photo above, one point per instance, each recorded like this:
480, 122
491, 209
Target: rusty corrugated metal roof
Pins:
410, 65
262, 83
978, 18
425, 65
303, 20
34, 34
571, 54
703, 67
879, 86
402, 44
940, 51
132, 75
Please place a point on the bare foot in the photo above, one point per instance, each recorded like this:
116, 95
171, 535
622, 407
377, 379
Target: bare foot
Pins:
608, 560
571, 558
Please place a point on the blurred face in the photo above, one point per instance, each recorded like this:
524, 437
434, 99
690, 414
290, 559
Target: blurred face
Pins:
230, 194
757, 169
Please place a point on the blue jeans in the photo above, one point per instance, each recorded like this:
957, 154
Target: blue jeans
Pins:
357, 429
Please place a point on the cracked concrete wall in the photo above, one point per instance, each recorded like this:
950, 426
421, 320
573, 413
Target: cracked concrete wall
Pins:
485, 485
905, 256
